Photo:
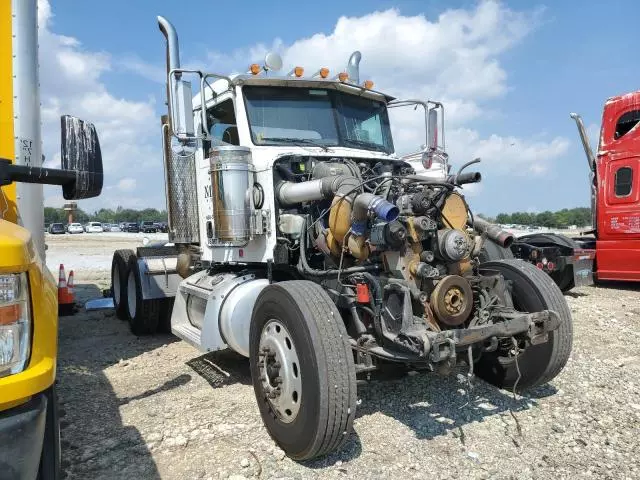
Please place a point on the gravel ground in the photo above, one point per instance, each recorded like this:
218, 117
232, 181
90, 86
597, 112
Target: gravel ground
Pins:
153, 407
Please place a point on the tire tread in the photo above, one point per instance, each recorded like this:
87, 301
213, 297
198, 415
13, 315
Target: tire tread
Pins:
550, 294
122, 258
342, 390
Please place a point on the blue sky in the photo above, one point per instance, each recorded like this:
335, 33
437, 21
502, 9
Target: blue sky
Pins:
509, 73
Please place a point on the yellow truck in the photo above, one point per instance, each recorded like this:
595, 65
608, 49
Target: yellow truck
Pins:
29, 431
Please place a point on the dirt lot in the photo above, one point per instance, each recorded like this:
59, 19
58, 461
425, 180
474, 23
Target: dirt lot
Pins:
153, 407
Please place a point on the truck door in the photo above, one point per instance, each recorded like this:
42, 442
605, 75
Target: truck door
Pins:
618, 245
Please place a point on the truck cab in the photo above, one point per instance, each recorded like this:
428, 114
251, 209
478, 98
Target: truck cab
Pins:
615, 187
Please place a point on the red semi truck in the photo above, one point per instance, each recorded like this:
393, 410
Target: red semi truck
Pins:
615, 190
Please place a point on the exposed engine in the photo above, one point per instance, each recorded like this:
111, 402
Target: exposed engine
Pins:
397, 250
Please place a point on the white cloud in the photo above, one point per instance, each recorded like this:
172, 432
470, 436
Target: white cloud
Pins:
454, 58
127, 184
506, 155
72, 83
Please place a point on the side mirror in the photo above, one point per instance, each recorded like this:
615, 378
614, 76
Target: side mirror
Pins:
180, 108
81, 154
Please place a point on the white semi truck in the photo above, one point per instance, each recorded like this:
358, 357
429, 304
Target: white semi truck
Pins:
299, 239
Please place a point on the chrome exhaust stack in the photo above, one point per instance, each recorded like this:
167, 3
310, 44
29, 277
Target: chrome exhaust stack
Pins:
173, 48
178, 151
585, 140
178, 91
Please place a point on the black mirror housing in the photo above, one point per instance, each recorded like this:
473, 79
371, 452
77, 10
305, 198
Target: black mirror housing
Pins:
80, 152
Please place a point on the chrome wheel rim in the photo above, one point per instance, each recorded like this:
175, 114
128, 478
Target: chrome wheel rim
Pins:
279, 369
131, 294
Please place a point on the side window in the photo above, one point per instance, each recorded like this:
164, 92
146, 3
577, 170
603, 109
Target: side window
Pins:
222, 124
623, 181
626, 122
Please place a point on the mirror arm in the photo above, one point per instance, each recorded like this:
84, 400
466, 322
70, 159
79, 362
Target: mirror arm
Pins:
44, 176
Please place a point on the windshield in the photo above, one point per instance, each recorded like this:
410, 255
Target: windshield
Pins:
315, 116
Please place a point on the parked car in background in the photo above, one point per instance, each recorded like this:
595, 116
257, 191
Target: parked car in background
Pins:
148, 227
93, 227
162, 227
131, 227
75, 228
114, 227
56, 228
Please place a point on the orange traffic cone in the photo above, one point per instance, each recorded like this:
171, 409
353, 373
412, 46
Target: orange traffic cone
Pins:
65, 301
70, 285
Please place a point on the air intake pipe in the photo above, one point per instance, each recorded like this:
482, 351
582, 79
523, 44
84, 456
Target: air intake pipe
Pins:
493, 232
347, 203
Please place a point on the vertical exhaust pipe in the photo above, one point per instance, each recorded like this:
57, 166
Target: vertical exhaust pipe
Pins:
353, 67
585, 140
173, 48
180, 174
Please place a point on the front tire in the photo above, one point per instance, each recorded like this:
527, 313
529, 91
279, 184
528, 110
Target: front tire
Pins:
49, 468
532, 291
299, 350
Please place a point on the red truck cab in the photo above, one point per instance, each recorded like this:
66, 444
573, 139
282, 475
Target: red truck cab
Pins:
616, 189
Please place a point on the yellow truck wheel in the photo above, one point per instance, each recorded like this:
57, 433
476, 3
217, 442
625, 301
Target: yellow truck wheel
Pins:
50, 457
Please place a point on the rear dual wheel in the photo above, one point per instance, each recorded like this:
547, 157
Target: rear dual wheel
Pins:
144, 316
302, 369
119, 278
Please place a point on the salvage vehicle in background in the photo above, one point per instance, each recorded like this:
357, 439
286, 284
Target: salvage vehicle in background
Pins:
615, 189
614, 241
148, 227
29, 428
75, 228
56, 229
562, 258
300, 240
93, 227
131, 227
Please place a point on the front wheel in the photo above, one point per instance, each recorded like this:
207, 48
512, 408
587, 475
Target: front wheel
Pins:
49, 468
532, 291
302, 369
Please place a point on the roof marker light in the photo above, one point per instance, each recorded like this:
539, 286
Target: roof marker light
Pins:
296, 72
368, 84
343, 76
322, 73
254, 69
